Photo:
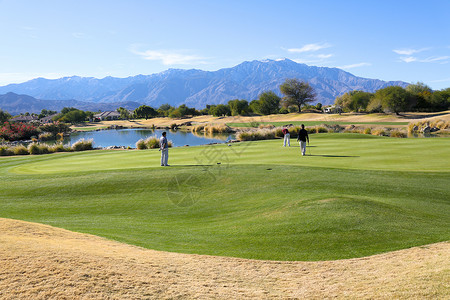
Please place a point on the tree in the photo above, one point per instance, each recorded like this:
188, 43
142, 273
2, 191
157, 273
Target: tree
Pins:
145, 111
164, 110
73, 116
297, 93
238, 107
394, 99
267, 103
220, 110
4, 116
440, 100
124, 113
46, 113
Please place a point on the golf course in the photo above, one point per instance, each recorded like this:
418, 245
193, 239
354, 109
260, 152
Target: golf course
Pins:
352, 196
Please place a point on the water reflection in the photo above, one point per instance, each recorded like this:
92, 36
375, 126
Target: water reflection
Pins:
129, 137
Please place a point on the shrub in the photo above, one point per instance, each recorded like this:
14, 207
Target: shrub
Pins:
266, 126
321, 129
5, 151
380, 132
59, 147
368, 130
152, 142
45, 136
198, 128
398, 134
82, 145
141, 144
17, 131
44, 149
254, 124
254, 135
20, 150
279, 132
33, 148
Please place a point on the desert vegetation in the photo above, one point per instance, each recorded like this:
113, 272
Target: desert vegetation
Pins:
35, 148
150, 143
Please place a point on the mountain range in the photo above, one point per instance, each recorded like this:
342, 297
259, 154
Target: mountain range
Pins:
196, 88
15, 104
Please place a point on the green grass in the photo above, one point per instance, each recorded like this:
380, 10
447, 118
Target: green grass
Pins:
356, 195
315, 123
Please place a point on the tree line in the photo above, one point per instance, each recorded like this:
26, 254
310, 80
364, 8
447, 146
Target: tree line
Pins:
395, 99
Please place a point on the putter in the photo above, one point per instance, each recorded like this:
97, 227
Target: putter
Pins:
309, 148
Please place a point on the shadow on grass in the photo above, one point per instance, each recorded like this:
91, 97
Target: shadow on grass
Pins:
325, 155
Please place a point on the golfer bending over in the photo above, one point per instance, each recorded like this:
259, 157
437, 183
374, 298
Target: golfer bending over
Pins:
302, 138
164, 148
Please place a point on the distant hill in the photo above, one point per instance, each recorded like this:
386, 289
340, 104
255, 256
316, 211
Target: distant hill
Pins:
15, 104
197, 88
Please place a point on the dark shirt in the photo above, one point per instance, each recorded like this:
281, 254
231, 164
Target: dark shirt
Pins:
285, 131
302, 135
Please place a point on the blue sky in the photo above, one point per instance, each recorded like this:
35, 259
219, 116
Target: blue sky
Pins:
388, 40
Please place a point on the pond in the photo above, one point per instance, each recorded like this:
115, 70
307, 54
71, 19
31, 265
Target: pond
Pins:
129, 137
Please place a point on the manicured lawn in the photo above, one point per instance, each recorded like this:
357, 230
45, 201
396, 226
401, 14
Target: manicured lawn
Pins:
356, 195
315, 123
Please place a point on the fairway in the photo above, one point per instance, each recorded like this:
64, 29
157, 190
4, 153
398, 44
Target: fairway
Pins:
353, 196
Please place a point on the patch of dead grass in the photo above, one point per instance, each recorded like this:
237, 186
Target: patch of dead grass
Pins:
43, 262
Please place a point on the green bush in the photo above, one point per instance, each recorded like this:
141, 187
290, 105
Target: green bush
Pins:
321, 129
82, 145
368, 130
20, 150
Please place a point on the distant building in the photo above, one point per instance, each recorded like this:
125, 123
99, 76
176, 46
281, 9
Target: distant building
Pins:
107, 115
334, 109
47, 119
24, 119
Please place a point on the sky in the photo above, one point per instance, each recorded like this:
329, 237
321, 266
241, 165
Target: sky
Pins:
387, 40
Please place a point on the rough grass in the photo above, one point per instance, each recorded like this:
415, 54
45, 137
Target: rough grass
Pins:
43, 262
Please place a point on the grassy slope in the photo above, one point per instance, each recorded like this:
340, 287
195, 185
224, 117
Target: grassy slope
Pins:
356, 196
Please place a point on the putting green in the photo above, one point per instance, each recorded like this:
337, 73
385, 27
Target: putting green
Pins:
349, 151
354, 196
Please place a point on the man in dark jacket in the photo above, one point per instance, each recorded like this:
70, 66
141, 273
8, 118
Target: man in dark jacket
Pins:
302, 138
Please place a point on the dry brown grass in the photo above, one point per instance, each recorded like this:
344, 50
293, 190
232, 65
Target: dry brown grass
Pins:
43, 262
346, 117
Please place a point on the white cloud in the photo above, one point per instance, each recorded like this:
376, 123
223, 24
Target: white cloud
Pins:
408, 59
309, 48
358, 65
435, 59
325, 56
431, 59
409, 51
169, 57
80, 35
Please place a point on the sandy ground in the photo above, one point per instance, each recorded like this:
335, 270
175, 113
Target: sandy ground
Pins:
43, 262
